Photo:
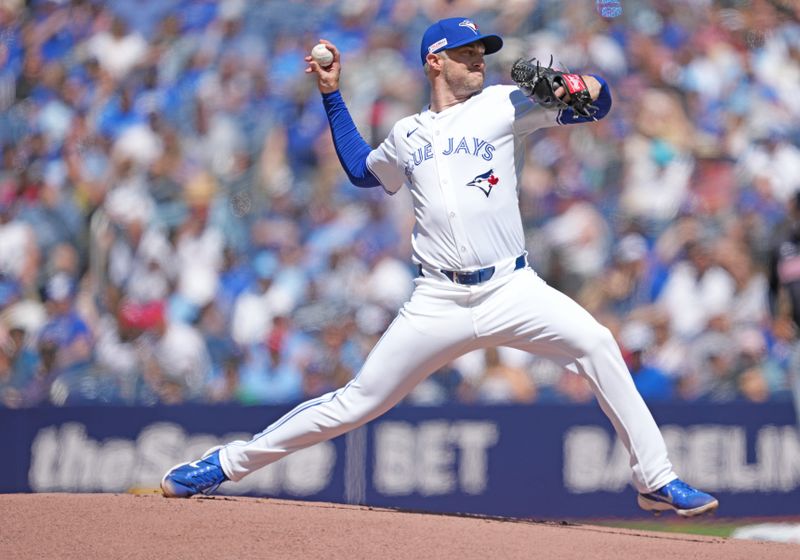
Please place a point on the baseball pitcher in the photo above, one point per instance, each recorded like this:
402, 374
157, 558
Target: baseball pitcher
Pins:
461, 158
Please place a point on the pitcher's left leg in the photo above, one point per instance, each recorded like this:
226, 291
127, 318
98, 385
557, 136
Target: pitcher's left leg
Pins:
539, 319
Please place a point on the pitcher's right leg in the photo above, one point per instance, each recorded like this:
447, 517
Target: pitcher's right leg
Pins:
416, 344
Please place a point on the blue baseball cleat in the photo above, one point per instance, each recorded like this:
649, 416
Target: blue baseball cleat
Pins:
680, 498
202, 476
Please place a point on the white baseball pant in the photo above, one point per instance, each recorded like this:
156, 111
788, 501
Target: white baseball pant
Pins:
444, 320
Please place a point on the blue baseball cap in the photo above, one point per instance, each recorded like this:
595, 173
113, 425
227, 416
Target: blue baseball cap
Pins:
455, 32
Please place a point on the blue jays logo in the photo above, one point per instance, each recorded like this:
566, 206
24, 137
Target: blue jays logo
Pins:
470, 24
485, 182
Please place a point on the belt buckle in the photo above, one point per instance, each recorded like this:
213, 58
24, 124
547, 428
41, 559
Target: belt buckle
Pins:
473, 276
469, 278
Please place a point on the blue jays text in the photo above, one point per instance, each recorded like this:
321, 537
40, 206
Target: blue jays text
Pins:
479, 148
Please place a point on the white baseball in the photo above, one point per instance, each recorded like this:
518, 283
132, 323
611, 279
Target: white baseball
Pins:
322, 55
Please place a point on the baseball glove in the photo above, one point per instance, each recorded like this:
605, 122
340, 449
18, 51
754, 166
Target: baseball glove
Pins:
541, 82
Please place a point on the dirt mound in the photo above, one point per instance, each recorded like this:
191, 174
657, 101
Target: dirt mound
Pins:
89, 526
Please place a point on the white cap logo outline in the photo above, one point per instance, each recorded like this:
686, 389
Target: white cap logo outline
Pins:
469, 23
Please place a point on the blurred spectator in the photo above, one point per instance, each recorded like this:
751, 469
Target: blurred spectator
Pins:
580, 238
749, 305
784, 291
445, 385
141, 259
269, 374
754, 370
335, 357
696, 289
117, 49
636, 339
629, 282
118, 353
38, 372
254, 308
668, 351
503, 383
712, 374
659, 161
774, 157
17, 362
226, 356
177, 362
66, 333
198, 245
572, 388
784, 268
19, 253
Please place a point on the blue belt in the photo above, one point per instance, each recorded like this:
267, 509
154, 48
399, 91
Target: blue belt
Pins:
476, 276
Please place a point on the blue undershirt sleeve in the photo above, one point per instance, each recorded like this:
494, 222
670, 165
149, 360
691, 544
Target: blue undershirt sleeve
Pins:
350, 146
603, 104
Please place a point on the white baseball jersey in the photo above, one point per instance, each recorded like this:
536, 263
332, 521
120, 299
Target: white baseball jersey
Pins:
463, 166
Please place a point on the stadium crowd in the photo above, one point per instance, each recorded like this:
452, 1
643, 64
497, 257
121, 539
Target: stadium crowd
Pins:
175, 225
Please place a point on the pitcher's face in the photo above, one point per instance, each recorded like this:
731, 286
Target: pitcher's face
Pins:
464, 69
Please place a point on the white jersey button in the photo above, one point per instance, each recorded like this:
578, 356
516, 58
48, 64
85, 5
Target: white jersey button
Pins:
463, 249
452, 214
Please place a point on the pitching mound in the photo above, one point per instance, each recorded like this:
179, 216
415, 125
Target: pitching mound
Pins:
102, 526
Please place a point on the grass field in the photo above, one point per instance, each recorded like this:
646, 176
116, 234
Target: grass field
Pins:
714, 528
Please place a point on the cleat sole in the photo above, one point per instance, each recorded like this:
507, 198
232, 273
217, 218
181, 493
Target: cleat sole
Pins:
659, 507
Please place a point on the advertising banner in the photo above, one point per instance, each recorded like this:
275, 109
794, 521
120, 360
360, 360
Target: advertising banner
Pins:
543, 461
